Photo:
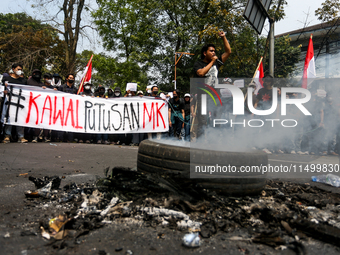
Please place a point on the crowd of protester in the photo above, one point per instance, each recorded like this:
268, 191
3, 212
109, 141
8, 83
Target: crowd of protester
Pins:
315, 134
11, 133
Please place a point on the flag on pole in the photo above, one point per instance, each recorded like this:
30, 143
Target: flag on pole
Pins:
258, 77
86, 76
309, 68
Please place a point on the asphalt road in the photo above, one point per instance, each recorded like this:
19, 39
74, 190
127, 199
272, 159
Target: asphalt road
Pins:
86, 162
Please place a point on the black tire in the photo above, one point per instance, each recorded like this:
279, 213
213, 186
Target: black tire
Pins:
162, 158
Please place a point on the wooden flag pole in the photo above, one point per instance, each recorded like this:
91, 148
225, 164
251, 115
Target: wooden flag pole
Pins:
258, 66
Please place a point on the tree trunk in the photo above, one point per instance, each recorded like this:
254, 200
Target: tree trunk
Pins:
72, 30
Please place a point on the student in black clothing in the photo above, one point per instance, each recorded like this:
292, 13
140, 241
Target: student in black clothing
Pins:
71, 89
14, 78
176, 115
187, 110
35, 79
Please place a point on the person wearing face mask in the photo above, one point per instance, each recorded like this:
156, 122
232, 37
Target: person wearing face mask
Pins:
117, 92
154, 91
56, 80
69, 87
117, 138
102, 138
48, 82
109, 93
15, 78
130, 93
35, 79
101, 92
87, 90
137, 138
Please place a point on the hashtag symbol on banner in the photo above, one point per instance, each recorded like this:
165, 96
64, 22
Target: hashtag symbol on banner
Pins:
15, 104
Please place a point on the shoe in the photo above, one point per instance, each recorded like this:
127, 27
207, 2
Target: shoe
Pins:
99, 142
22, 140
80, 141
306, 153
87, 141
292, 152
106, 142
47, 140
35, 139
300, 153
7, 139
280, 152
323, 153
266, 151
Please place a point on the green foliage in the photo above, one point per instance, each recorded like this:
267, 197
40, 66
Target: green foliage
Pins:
329, 10
285, 57
108, 72
26, 40
149, 32
11, 23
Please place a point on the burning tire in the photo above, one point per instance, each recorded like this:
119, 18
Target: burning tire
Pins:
156, 157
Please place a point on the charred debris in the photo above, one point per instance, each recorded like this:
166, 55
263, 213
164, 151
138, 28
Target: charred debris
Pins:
284, 215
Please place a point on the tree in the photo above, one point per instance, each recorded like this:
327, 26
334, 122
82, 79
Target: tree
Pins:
69, 25
110, 73
26, 40
149, 32
285, 57
329, 10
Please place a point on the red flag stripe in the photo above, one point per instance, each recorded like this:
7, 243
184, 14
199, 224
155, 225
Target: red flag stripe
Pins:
309, 67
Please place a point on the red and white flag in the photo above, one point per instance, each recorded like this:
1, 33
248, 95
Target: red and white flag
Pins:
309, 68
86, 76
258, 77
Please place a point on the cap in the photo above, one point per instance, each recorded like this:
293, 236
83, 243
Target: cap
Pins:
48, 76
227, 80
56, 75
187, 95
139, 92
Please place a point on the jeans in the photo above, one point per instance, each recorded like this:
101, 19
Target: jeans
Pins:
20, 131
176, 127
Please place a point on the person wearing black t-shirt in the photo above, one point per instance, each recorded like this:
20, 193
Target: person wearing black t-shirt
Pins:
207, 68
187, 111
176, 115
15, 78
